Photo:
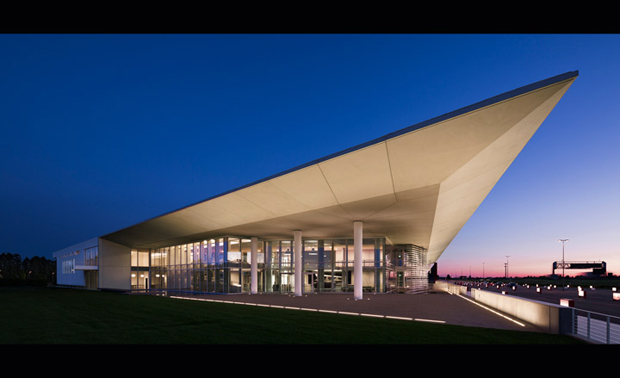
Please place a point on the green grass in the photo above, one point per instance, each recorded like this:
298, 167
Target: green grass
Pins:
66, 316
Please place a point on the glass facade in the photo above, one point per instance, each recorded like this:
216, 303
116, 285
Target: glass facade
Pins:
91, 256
139, 269
223, 265
407, 270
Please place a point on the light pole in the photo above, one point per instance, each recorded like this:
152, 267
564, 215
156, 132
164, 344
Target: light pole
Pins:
507, 266
562, 241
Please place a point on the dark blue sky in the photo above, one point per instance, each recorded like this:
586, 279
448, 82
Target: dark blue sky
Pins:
102, 131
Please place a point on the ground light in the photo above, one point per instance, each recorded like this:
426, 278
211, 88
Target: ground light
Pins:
493, 311
310, 309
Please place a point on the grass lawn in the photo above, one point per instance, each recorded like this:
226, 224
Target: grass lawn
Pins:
67, 316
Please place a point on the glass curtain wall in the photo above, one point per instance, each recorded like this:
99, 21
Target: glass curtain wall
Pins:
159, 268
240, 265
223, 265
140, 269
278, 274
406, 269
328, 265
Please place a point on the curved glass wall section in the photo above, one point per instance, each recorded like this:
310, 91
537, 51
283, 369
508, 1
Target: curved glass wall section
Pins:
223, 265
407, 270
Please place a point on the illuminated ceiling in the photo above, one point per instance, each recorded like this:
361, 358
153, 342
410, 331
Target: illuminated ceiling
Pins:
418, 185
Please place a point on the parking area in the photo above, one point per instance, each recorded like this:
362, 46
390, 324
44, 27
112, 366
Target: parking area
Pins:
595, 300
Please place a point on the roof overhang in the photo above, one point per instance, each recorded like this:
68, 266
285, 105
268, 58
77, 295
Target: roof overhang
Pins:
418, 185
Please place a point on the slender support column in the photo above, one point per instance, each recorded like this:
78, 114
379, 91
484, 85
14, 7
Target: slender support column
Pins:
298, 261
320, 277
358, 240
254, 266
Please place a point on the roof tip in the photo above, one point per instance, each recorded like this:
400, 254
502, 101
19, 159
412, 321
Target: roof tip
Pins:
570, 74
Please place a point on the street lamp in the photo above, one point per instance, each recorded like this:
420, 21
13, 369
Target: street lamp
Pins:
562, 241
507, 266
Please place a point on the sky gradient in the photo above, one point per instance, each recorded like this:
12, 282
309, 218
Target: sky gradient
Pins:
102, 131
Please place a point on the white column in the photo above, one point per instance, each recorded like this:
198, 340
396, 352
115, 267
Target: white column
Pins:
358, 240
254, 266
298, 263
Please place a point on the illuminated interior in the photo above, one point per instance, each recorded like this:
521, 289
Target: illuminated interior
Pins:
223, 265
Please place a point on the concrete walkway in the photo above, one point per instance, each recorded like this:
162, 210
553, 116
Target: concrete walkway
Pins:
441, 308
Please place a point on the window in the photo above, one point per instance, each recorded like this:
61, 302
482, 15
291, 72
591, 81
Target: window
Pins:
91, 256
68, 266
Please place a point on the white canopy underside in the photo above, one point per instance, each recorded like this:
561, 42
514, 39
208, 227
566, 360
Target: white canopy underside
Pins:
419, 186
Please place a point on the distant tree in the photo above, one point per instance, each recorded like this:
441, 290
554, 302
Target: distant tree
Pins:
38, 268
13, 269
11, 266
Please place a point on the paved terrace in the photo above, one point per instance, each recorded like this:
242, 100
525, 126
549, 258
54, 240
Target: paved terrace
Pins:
442, 308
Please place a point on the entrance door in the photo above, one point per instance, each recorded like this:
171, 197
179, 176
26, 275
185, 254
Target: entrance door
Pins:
309, 282
400, 282
287, 282
91, 277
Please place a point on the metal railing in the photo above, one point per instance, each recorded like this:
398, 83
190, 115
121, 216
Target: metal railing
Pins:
596, 327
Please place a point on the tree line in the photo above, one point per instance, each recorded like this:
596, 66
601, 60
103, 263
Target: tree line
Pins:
35, 270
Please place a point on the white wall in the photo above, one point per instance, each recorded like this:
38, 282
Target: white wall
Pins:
450, 288
549, 317
74, 253
114, 266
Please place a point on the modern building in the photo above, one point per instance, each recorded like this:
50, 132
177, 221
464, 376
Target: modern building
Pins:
373, 218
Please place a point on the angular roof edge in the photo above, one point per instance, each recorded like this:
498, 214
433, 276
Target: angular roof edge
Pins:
481, 104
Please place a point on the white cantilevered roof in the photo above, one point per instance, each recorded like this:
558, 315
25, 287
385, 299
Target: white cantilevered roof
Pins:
418, 185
